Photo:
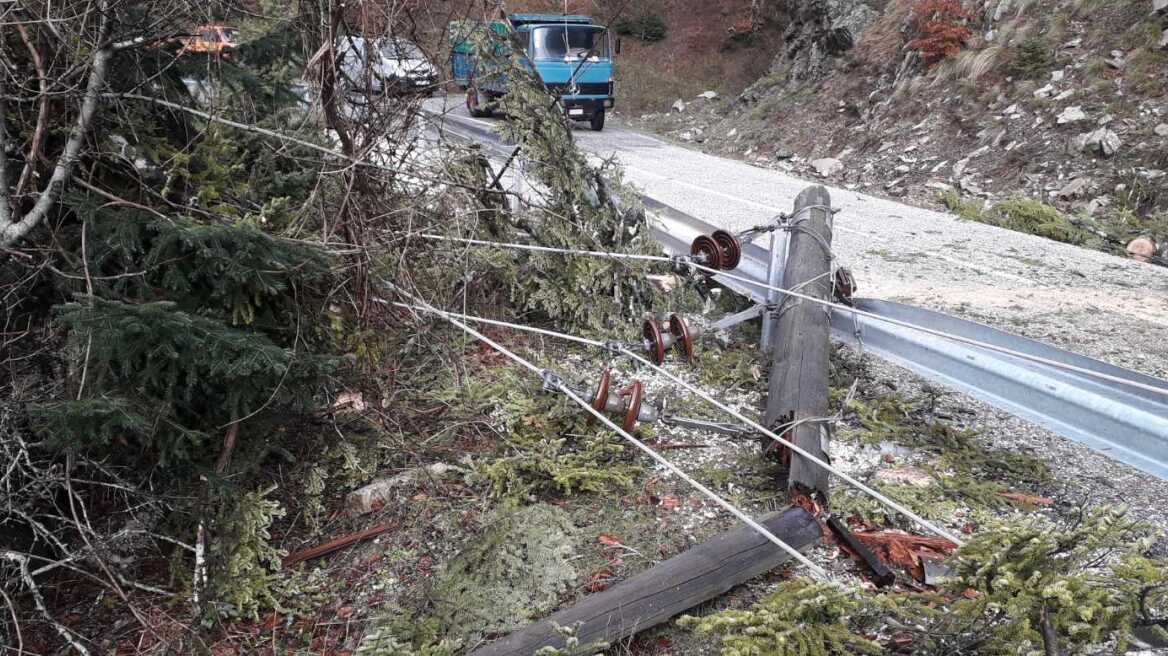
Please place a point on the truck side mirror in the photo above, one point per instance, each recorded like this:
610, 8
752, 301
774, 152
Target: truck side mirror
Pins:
618, 45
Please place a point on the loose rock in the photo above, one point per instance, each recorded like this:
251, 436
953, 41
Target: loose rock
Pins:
678, 106
1102, 141
1071, 114
1076, 188
827, 166
1141, 249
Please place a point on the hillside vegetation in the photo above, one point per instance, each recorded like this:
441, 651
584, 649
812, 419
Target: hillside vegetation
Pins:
1061, 102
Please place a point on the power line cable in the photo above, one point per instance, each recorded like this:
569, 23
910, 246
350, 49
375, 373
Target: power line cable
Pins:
710, 399
839, 306
551, 381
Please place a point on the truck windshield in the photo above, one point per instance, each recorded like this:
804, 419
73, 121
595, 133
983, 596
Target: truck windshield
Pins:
569, 42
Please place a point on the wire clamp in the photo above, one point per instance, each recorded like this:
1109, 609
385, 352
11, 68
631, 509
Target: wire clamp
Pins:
552, 382
682, 264
614, 346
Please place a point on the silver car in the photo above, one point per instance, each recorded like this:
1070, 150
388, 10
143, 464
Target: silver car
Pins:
384, 65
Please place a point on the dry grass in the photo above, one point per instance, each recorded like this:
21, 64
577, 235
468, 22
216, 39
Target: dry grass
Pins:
882, 42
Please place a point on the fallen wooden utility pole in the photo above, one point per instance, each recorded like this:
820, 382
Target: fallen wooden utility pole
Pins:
798, 375
669, 588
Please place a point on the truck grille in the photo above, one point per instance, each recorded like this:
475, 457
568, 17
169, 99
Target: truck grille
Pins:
585, 89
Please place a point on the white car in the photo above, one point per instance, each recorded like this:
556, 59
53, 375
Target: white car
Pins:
384, 65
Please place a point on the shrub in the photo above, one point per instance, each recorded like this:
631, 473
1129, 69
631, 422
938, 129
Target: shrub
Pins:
647, 27
1032, 60
941, 28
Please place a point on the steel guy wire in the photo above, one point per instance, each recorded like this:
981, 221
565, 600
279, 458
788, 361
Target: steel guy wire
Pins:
803, 452
734, 413
502, 324
839, 306
557, 384
726, 505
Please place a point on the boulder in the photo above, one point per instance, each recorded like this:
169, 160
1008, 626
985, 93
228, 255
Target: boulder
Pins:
1072, 114
827, 166
1102, 141
1160, 7
1141, 249
1161, 130
678, 106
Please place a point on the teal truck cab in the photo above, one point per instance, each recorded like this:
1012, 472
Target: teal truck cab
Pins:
570, 54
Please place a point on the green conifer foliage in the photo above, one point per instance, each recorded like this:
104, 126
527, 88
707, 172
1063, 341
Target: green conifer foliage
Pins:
172, 377
1081, 584
800, 618
578, 205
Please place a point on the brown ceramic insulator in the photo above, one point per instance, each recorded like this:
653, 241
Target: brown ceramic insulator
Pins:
600, 396
635, 393
704, 245
652, 334
731, 249
681, 337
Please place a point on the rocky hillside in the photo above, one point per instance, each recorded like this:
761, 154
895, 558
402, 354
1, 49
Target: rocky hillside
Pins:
1049, 116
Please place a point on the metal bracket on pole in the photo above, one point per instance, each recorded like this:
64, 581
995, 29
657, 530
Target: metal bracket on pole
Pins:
778, 261
731, 320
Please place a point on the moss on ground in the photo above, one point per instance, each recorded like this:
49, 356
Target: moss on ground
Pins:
513, 573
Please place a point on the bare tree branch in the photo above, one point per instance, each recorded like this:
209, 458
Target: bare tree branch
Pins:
11, 228
21, 561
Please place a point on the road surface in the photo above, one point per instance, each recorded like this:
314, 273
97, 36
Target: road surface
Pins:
1084, 301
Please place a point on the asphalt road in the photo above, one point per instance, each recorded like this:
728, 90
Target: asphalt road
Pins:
1085, 301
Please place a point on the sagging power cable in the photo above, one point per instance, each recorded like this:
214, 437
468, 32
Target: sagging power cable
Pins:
554, 383
687, 261
887, 502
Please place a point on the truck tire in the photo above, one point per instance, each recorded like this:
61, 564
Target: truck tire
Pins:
597, 122
477, 103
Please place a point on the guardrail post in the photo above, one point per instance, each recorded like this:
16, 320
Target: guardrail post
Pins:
798, 376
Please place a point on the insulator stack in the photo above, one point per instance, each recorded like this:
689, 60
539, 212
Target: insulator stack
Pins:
628, 403
659, 337
845, 285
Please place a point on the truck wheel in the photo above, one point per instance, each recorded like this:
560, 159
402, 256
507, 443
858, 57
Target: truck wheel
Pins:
477, 103
597, 122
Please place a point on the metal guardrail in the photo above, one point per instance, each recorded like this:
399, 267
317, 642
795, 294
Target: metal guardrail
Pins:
1125, 423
